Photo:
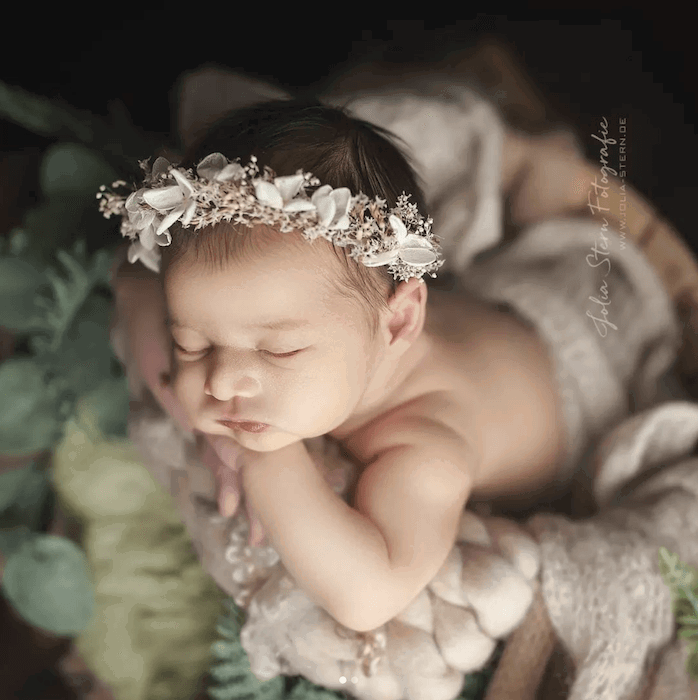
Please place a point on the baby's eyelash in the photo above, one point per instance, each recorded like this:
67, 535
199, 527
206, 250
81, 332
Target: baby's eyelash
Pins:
268, 352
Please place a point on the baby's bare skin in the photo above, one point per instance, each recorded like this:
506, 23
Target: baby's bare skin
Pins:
479, 372
486, 375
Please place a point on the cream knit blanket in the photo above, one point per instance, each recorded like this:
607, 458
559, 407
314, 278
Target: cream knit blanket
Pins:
599, 576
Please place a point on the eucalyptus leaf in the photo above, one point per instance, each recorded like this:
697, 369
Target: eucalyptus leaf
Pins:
40, 114
48, 582
28, 408
71, 169
19, 283
23, 494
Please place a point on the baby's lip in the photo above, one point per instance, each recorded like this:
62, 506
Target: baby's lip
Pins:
238, 419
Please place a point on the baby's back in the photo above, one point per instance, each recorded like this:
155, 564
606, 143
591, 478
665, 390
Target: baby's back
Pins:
488, 378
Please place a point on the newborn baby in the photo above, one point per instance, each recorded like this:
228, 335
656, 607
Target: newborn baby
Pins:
265, 338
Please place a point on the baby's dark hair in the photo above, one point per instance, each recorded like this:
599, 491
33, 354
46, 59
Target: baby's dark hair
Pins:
341, 151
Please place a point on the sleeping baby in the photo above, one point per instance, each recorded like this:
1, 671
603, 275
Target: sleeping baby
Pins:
282, 299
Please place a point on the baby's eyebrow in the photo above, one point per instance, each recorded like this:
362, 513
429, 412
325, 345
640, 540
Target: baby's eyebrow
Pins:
281, 325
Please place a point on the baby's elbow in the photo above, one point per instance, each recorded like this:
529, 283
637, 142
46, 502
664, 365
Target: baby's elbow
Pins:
359, 621
369, 611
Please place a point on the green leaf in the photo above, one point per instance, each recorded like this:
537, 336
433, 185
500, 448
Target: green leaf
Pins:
675, 573
268, 690
226, 650
28, 408
48, 582
305, 690
227, 672
40, 114
73, 170
19, 283
13, 483
688, 633
25, 498
83, 358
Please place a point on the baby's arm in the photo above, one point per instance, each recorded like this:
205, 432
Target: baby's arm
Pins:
364, 564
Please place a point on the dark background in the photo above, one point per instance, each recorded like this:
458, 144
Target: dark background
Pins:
585, 66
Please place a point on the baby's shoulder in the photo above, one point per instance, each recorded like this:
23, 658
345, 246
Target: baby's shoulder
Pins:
424, 421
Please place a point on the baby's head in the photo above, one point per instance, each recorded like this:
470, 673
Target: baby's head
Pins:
224, 282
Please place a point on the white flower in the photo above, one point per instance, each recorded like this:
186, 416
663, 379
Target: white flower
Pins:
175, 201
332, 206
149, 257
215, 167
411, 248
280, 194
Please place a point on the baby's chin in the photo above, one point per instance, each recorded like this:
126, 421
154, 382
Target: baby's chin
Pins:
266, 441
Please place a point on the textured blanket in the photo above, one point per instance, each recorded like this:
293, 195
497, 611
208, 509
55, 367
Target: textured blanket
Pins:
629, 460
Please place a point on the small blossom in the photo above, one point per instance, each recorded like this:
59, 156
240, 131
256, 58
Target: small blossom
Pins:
216, 168
411, 249
280, 194
333, 207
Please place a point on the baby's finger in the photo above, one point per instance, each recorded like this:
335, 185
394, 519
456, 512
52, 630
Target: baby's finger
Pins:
257, 534
228, 450
228, 501
228, 480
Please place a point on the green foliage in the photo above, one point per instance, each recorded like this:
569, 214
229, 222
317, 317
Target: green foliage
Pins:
23, 494
231, 670
69, 338
683, 582
61, 314
48, 583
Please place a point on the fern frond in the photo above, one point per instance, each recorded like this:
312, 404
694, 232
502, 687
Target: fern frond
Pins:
683, 582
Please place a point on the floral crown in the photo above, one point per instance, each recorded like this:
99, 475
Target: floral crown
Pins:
224, 190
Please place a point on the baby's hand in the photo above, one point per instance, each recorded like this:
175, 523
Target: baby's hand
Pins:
223, 456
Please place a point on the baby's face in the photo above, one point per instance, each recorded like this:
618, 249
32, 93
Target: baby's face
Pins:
267, 341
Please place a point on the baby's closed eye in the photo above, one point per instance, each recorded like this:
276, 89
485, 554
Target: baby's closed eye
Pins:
202, 352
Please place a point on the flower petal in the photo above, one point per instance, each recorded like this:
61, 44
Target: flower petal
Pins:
134, 252
184, 184
299, 205
163, 198
171, 218
326, 208
160, 166
232, 171
414, 240
147, 237
342, 197
320, 193
417, 256
268, 194
398, 227
211, 165
288, 186
381, 259
189, 212
342, 223
151, 259
133, 202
